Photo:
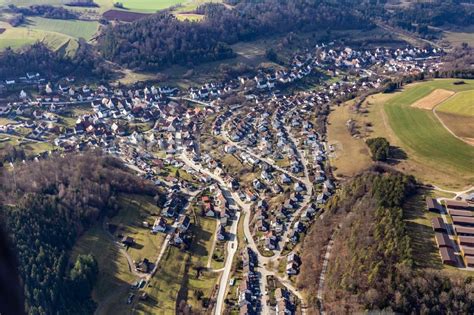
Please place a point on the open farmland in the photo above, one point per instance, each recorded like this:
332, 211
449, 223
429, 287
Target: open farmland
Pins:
422, 135
53, 32
150, 6
73, 28
461, 104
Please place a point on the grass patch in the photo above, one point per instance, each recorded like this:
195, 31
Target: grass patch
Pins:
351, 155
134, 210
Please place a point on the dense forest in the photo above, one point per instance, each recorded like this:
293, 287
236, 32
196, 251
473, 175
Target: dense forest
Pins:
40, 59
161, 40
371, 267
421, 17
45, 205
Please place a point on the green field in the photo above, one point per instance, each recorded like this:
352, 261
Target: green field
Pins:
461, 103
423, 135
72, 28
148, 6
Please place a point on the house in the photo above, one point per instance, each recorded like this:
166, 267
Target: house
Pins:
442, 240
144, 266
221, 234
463, 221
159, 225
292, 269
294, 258
454, 204
432, 205
438, 225
447, 256
183, 222
178, 238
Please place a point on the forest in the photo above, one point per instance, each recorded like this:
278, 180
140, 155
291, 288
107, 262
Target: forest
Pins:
162, 40
45, 205
421, 17
371, 267
38, 58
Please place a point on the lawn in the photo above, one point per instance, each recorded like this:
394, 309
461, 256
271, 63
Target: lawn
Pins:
461, 103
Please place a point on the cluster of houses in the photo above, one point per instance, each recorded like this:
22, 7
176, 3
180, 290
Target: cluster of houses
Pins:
335, 59
172, 221
214, 204
461, 214
249, 288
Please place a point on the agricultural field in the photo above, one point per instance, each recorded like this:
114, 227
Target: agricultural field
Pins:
460, 104
434, 155
57, 34
72, 28
456, 38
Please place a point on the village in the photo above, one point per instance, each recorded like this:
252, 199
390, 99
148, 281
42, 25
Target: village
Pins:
248, 150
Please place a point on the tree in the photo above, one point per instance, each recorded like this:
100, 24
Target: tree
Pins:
380, 148
271, 55
83, 275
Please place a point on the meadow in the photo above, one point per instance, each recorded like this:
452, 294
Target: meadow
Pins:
55, 33
350, 155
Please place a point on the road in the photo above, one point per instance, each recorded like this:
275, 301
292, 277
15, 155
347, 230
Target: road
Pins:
232, 244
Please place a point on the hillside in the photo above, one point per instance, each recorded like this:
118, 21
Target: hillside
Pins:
371, 266
47, 206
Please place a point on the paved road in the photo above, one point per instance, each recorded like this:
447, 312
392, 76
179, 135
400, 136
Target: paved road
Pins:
232, 245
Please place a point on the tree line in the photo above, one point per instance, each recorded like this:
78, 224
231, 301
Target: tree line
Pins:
162, 40
38, 58
372, 264
45, 205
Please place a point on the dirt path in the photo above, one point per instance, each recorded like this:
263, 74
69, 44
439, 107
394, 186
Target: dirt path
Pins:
209, 260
